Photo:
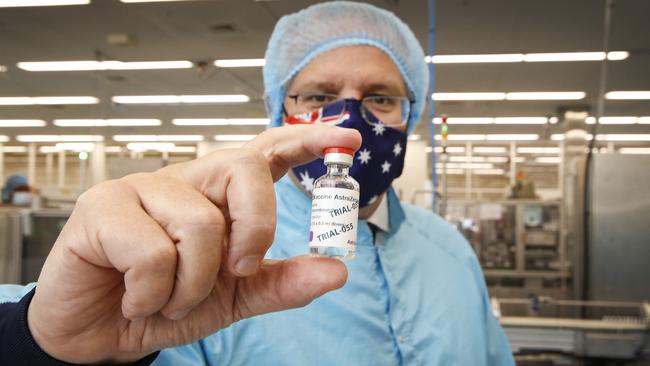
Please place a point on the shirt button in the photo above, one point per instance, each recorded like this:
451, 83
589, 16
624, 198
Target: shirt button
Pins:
400, 339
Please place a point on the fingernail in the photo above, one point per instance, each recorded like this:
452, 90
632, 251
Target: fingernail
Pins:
248, 265
179, 314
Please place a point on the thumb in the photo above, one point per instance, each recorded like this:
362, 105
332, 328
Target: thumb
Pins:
291, 283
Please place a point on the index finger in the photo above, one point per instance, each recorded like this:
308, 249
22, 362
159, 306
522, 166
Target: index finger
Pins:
288, 146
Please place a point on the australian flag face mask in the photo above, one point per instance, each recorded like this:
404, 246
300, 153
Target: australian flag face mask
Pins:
379, 160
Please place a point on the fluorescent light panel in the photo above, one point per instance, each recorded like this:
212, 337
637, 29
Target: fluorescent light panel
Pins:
220, 121
22, 123
4, 138
634, 150
527, 57
26, 3
234, 137
13, 149
102, 65
47, 100
107, 122
631, 95
180, 99
157, 138
572, 95
538, 150
59, 138
145, 146
489, 150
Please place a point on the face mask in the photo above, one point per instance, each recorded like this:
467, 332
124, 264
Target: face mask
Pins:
22, 199
379, 160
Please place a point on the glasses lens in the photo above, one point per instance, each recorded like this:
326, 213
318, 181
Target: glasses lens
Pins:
392, 111
314, 101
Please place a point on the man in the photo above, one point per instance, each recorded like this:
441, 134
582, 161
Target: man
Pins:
158, 260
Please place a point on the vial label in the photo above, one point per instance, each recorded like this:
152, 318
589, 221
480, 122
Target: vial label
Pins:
334, 216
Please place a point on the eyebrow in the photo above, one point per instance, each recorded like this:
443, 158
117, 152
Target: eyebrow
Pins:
334, 86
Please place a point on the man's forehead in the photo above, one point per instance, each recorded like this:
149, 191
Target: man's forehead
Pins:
336, 79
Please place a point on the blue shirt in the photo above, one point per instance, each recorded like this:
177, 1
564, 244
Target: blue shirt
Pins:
416, 296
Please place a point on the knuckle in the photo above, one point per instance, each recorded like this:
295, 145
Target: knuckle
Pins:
160, 257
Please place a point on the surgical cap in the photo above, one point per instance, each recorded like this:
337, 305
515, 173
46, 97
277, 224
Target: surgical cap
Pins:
300, 37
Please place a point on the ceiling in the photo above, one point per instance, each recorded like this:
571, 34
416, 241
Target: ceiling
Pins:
221, 29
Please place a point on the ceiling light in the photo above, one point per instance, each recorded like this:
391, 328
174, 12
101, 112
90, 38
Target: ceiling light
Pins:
22, 123
3, 68
564, 56
414, 137
465, 120
4, 138
47, 149
47, 100
157, 138
156, 146
553, 120
528, 57
59, 138
548, 160
107, 122
637, 94
520, 120
634, 150
248, 62
545, 95
450, 149
234, 137
617, 55
180, 99
102, 65
13, 149
465, 159
200, 121
644, 120
220, 121
624, 137
512, 137
465, 137
113, 149
468, 96
489, 150
456, 59
248, 121
184, 149
618, 120
75, 146
25, 3
538, 150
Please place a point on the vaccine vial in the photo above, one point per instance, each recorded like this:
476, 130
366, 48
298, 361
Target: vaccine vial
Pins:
335, 208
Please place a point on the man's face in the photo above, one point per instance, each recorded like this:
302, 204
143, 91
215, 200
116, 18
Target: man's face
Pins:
348, 72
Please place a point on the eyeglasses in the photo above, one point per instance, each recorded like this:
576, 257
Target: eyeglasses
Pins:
392, 111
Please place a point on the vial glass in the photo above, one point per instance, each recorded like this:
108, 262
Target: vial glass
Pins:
335, 208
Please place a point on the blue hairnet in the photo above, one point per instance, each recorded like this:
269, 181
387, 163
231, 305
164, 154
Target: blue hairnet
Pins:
300, 37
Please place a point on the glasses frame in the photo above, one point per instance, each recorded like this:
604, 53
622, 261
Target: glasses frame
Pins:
295, 97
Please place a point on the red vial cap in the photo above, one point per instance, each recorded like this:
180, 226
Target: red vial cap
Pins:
340, 150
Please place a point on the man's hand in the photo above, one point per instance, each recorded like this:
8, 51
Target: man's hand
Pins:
157, 260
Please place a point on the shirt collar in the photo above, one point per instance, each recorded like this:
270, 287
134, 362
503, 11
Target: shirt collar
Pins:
380, 217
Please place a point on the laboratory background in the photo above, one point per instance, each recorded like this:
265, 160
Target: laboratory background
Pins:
535, 143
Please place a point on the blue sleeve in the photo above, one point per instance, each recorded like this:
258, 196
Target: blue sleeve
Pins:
17, 346
498, 348
187, 355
